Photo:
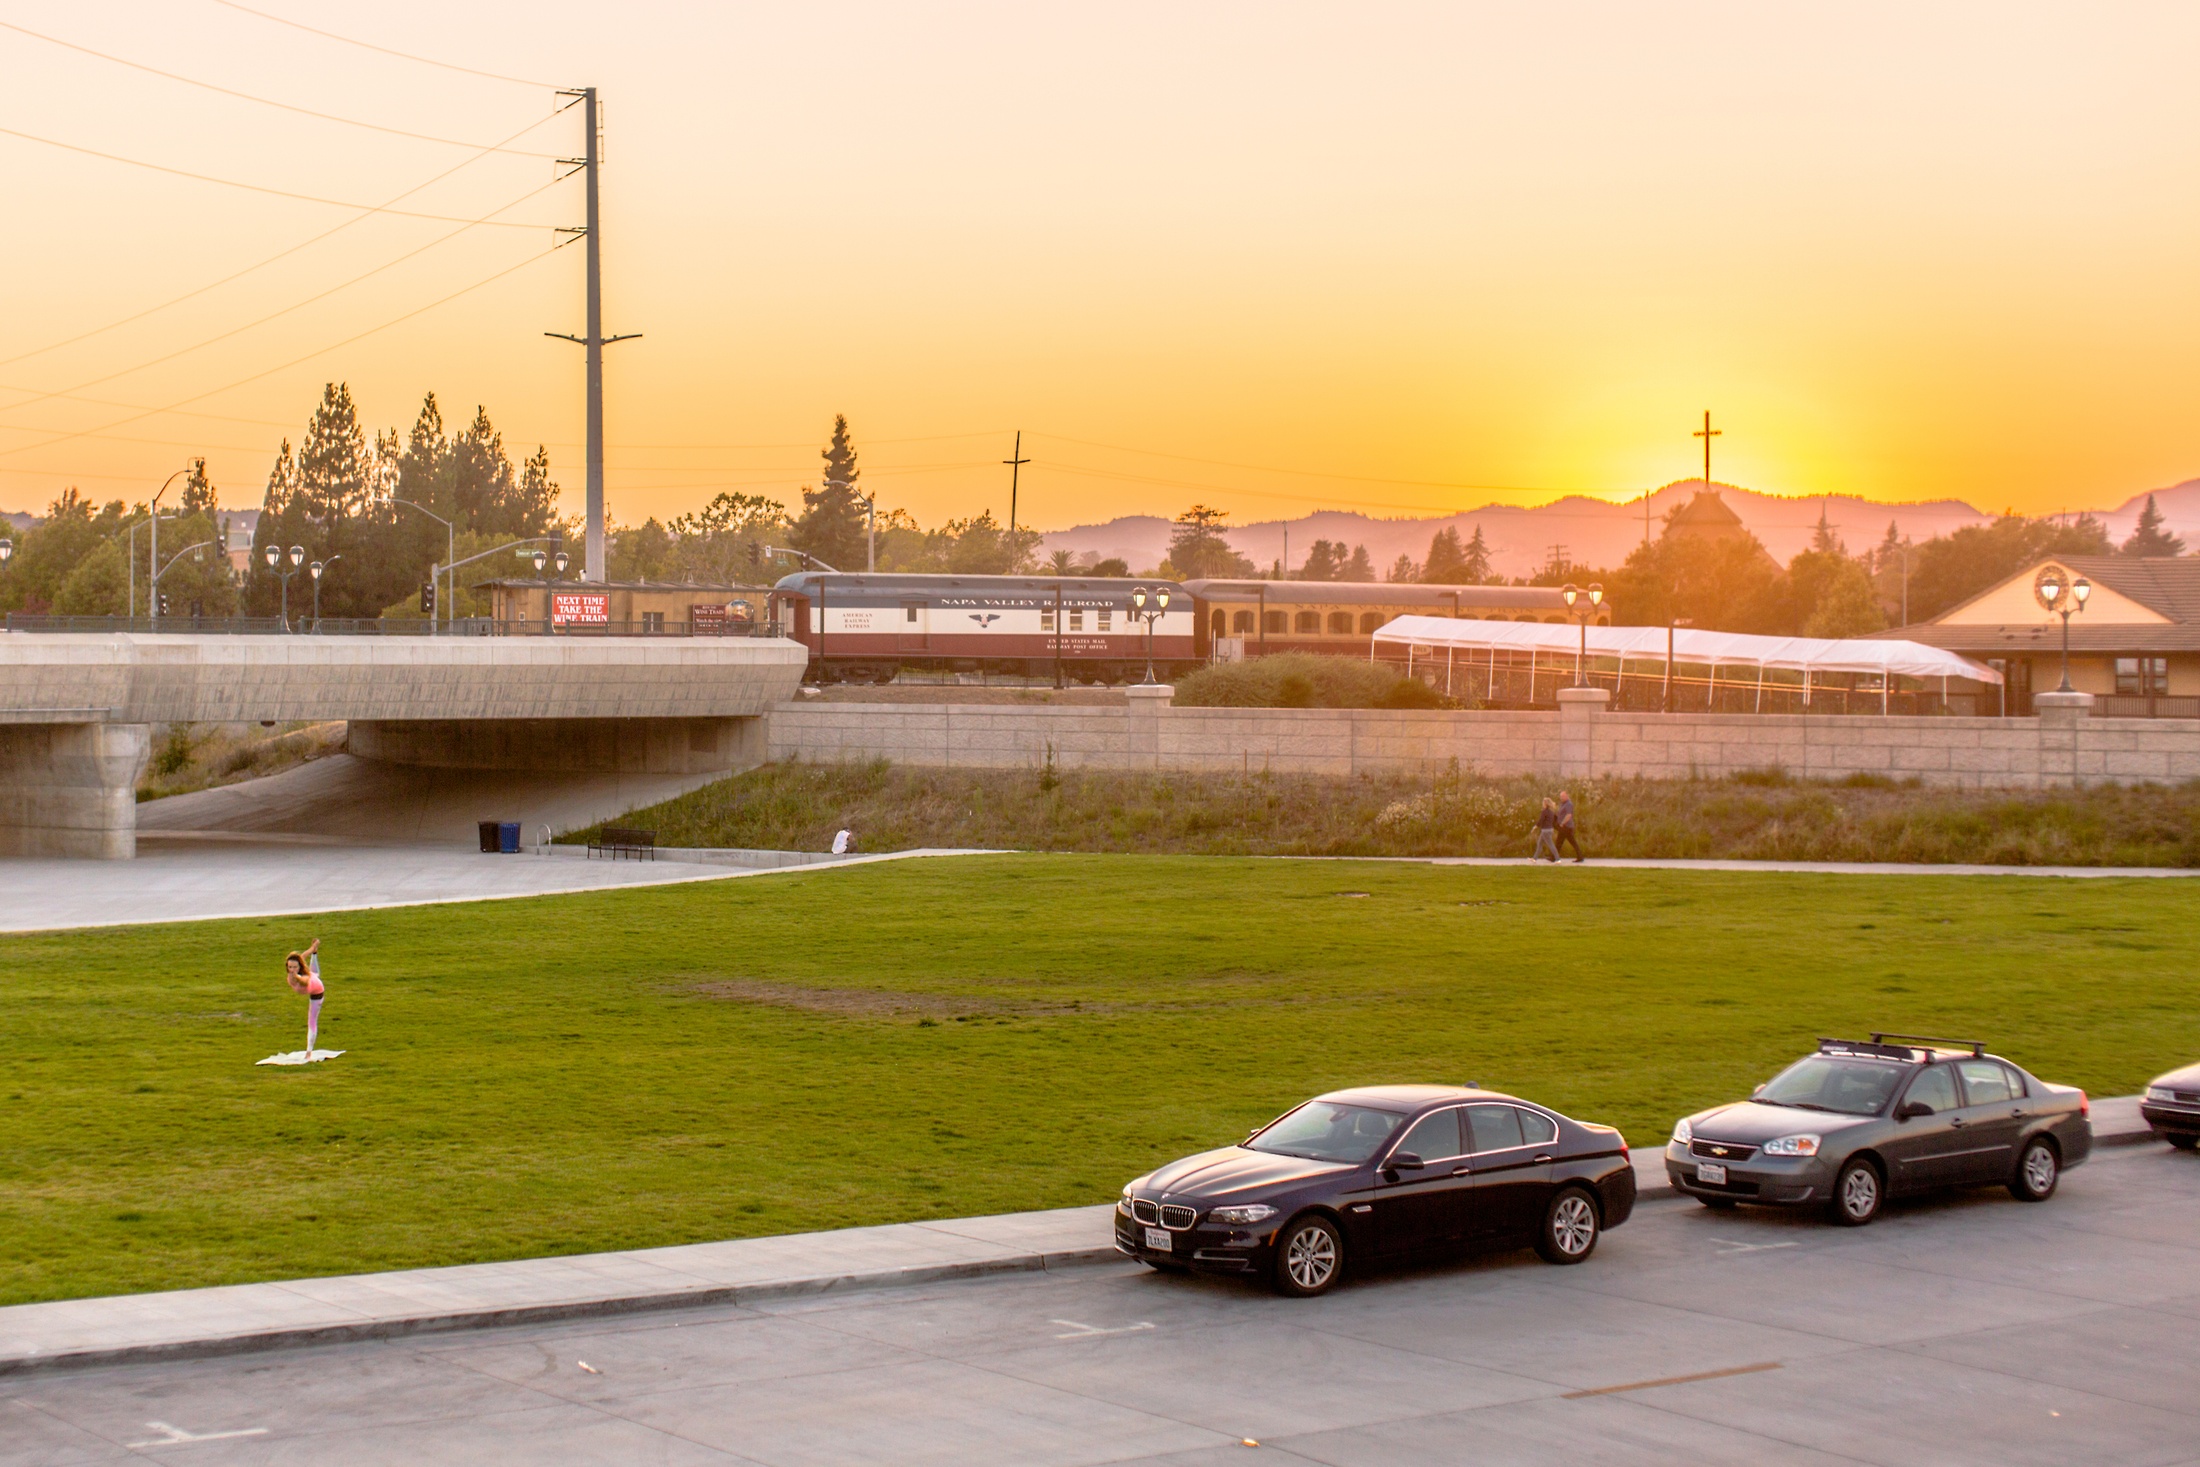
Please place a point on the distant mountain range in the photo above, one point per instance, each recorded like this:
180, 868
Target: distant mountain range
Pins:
1594, 532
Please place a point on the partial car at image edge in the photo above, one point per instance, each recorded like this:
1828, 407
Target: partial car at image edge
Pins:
2171, 1106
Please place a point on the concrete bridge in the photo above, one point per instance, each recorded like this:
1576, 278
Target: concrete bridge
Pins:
76, 712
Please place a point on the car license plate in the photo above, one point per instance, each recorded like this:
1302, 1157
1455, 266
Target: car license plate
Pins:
1710, 1174
1158, 1239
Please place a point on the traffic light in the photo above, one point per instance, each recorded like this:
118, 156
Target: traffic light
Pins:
756, 555
164, 603
427, 598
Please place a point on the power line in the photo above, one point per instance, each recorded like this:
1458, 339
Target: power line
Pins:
271, 371
386, 51
286, 310
262, 264
251, 187
192, 81
1319, 474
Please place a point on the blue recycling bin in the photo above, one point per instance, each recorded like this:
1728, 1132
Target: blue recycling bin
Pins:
508, 838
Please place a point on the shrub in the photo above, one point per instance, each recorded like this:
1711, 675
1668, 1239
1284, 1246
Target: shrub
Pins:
1304, 680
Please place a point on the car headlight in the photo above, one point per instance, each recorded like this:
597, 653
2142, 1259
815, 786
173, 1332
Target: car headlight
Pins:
2160, 1092
1684, 1132
1792, 1146
1123, 1203
1240, 1216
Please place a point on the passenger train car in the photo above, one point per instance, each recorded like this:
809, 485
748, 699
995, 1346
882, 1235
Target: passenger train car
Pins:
866, 628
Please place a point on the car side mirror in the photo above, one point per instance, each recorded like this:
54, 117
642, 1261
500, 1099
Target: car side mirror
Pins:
1403, 1161
1910, 1109
1758, 1091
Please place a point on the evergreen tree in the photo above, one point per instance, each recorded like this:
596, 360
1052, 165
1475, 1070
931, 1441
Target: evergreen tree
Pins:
833, 520
1359, 568
1823, 539
1447, 560
1403, 569
2150, 540
1478, 559
198, 490
1323, 563
1197, 549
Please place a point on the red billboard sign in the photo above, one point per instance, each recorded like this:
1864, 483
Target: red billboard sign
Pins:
580, 608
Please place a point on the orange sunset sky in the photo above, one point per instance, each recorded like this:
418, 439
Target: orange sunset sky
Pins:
1405, 258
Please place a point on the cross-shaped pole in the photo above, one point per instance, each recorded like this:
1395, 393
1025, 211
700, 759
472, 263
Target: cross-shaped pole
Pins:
1706, 433
1015, 467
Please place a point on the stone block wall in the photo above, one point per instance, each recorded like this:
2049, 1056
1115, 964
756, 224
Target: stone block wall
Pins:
2060, 747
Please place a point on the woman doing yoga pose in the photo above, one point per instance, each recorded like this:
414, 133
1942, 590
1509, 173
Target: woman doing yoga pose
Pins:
302, 971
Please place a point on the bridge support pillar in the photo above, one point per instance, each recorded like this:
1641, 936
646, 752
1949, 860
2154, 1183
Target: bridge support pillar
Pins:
70, 789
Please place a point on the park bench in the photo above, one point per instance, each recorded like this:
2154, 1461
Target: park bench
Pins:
614, 841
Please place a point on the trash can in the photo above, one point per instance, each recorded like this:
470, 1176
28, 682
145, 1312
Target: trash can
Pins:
508, 838
490, 841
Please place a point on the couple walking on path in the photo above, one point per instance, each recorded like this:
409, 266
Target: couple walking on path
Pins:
1554, 826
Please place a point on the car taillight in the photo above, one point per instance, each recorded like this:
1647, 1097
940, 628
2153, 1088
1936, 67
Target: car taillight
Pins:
2085, 1106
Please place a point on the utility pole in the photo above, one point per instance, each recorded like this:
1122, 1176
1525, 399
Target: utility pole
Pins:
1015, 466
1706, 433
595, 341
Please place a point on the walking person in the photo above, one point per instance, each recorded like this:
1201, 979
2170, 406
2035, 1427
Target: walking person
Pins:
302, 971
1566, 828
1546, 823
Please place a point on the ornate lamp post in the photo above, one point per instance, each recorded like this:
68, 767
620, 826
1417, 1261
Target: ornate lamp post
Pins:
316, 569
1159, 596
275, 562
1582, 606
2059, 593
556, 559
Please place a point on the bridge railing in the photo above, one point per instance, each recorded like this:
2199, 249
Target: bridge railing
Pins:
363, 626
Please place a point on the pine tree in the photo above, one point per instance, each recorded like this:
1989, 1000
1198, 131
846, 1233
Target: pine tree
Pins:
2150, 540
331, 479
1403, 569
1447, 562
198, 490
833, 520
1823, 538
1478, 559
1323, 562
1359, 568
1196, 546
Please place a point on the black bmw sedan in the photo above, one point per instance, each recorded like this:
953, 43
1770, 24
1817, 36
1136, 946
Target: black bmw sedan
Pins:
1382, 1173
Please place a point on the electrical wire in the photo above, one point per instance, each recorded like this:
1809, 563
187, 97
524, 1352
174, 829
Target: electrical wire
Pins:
192, 81
1320, 474
386, 51
286, 310
256, 188
285, 366
281, 254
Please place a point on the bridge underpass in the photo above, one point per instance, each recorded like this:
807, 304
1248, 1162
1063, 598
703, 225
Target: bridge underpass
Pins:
77, 712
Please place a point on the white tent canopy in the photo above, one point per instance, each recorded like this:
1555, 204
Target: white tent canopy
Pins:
1807, 655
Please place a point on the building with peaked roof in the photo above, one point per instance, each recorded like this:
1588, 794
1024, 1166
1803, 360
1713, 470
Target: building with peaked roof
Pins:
2135, 647
1708, 517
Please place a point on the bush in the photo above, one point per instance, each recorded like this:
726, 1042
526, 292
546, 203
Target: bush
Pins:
1304, 680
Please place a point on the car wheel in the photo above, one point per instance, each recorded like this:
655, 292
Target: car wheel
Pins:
1309, 1258
2182, 1143
1569, 1228
1857, 1193
2038, 1170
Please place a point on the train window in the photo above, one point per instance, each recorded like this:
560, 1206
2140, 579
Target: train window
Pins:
1241, 623
1077, 619
1309, 621
1046, 621
1104, 616
1220, 621
908, 613
1276, 621
1340, 623
1371, 621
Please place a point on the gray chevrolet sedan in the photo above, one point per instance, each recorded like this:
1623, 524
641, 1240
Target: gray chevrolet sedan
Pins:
1861, 1121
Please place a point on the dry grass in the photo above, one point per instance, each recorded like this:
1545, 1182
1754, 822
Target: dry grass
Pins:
1761, 816
200, 756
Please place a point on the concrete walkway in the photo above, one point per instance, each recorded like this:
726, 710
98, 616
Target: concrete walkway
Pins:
204, 878
246, 1317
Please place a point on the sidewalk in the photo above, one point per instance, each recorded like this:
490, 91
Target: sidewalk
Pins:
247, 1317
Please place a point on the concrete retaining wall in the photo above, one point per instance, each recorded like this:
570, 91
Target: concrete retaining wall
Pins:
2062, 746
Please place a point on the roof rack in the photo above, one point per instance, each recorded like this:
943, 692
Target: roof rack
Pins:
1975, 1046
1872, 1050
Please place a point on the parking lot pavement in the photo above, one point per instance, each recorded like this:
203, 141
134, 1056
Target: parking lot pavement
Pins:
1974, 1329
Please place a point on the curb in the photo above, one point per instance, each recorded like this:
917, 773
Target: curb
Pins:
465, 1319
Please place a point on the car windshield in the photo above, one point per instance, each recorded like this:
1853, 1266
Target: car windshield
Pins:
1852, 1087
1324, 1131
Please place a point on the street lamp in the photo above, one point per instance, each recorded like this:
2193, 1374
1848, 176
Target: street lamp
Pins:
1574, 596
7, 550
2060, 594
275, 564
1159, 596
387, 476
317, 568
1678, 621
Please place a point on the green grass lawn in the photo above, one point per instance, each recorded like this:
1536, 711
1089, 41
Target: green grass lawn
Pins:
934, 1038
